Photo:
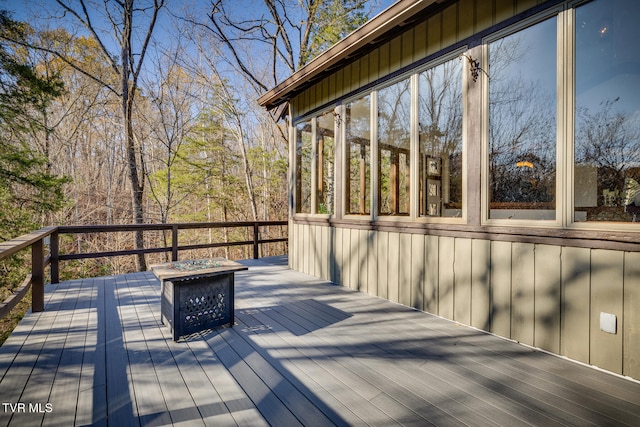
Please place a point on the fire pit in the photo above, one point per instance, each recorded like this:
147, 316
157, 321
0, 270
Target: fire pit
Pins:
196, 294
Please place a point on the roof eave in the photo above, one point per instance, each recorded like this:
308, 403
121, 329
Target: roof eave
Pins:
391, 17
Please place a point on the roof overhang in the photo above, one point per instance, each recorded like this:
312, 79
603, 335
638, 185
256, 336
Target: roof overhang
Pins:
364, 39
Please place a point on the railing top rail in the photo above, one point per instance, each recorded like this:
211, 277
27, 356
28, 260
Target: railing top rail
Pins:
77, 229
13, 246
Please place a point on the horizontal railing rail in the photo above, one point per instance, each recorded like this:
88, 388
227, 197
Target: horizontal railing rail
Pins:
36, 241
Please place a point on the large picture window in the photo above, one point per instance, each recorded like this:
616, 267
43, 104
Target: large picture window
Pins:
607, 114
357, 124
440, 136
304, 157
325, 147
394, 148
522, 124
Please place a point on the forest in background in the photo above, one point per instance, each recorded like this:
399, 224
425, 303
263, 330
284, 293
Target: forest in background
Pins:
144, 111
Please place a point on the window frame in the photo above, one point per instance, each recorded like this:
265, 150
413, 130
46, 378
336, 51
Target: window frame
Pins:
561, 137
415, 135
569, 218
312, 119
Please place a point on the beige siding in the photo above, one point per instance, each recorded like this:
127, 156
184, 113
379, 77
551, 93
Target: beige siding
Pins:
481, 284
405, 269
394, 270
418, 270
420, 40
501, 288
631, 318
363, 249
607, 276
395, 54
462, 271
522, 292
547, 298
431, 279
465, 19
446, 276
450, 25
383, 264
576, 303
372, 263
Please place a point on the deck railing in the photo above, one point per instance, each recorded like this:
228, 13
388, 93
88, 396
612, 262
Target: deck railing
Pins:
51, 235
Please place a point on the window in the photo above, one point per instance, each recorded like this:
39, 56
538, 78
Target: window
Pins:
304, 156
607, 112
522, 124
325, 147
440, 136
358, 156
394, 148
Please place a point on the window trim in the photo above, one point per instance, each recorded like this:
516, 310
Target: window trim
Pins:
558, 222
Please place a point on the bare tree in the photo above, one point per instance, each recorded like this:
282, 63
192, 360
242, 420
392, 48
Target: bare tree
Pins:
124, 18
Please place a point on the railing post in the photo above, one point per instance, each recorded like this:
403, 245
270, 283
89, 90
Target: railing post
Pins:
256, 247
174, 243
37, 276
55, 261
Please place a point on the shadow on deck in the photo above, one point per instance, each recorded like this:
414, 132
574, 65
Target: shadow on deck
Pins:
302, 352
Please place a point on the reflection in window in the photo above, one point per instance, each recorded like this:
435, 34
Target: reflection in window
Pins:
607, 115
304, 155
440, 127
394, 155
325, 146
522, 124
358, 156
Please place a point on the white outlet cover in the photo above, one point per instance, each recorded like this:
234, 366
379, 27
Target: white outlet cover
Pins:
608, 323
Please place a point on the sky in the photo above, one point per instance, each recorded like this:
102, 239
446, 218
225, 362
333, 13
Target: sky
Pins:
165, 34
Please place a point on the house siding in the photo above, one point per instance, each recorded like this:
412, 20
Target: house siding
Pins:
541, 295
538, 290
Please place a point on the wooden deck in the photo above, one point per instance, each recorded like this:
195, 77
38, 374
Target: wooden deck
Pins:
303, 352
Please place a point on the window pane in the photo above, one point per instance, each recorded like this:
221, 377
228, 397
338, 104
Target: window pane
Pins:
607, 116
522, 124
325, 141
440, 127
303, 167
358, 156
394, 125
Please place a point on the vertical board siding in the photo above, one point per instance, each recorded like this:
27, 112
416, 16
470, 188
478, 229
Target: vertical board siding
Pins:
418, 271
431, 254
393, 261
481, 284
395, 54
446, 276
547, 298
462, 291
607, 272
465, 19
501, 288
364, 249
372, 263
339, 257
576, 303
404, 263
449, 25
522, 292
408, 38
631, 317
383, 264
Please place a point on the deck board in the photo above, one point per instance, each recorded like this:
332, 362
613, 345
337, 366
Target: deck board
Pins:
302, 352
